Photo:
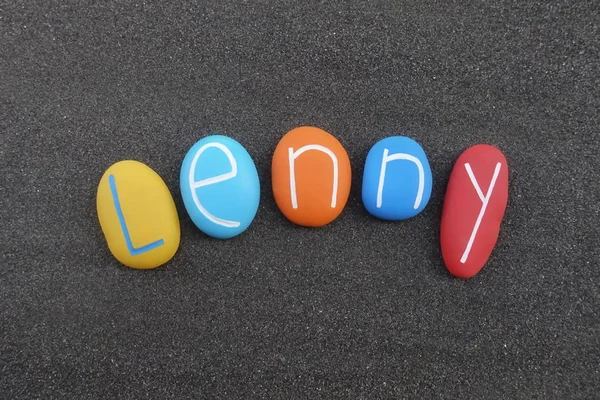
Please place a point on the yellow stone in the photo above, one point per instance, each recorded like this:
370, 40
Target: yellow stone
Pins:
137, 215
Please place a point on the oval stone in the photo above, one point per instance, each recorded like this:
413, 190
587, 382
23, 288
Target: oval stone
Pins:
474, 204
311, 176
137, 215
220, 186
397, 179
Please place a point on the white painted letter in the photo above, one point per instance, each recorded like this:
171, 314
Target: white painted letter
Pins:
211, 181
400, 156
292, 157
484, 200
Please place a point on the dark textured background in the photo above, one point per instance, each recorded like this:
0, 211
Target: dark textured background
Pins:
359, 309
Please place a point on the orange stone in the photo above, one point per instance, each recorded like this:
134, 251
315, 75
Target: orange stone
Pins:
311, 176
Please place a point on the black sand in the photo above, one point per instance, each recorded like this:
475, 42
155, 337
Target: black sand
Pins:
361, 309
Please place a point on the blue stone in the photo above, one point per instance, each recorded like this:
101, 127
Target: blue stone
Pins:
397, 179
220, 186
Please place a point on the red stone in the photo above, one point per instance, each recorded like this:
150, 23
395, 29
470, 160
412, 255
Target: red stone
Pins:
471, 219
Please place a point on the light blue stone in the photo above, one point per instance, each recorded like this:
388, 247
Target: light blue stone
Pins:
220, 186
397, 179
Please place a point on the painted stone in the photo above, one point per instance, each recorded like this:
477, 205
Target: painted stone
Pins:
311, 176
474, 206
137, 215
397, 179
220, 186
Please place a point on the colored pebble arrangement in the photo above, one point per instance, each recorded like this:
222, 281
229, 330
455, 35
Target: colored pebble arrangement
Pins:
311, 178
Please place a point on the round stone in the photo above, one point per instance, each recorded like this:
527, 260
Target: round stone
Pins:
474, 205
311, 176
137, 215
220, 186
397, 179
